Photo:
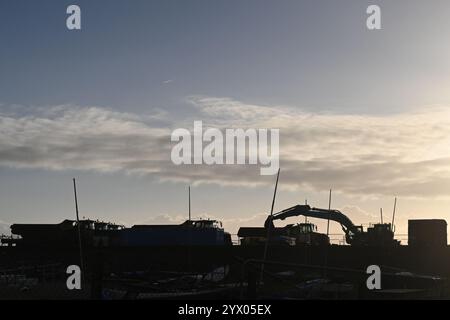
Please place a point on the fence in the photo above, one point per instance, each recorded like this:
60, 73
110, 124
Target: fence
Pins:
335, 238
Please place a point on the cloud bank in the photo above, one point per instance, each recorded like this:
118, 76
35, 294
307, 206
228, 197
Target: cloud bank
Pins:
404, 154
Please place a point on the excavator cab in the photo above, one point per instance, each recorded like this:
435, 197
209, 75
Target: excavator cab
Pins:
381, 234
378, 234
381, 227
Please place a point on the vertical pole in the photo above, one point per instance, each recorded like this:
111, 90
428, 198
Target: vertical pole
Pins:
329, 208
306, 203
381, 212
189, 240
268, 228
78, 223
328, 235
393, 214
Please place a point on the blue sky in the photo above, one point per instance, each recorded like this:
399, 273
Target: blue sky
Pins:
317, 54
364, 112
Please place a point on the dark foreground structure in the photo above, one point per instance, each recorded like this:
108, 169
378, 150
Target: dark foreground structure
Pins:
196, 260
176, 271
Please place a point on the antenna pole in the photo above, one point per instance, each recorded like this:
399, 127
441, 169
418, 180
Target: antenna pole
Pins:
189, 233
306, 218
268, 228
328, 235
78, 223
189, 203
329, 213
393, 213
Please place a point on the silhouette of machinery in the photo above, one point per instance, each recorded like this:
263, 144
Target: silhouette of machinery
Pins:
380, 234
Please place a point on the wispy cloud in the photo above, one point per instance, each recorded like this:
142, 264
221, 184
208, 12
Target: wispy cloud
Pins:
406, 154
90, 138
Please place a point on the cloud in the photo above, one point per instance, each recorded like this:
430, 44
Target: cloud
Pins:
163, 219
404, 154
91, 138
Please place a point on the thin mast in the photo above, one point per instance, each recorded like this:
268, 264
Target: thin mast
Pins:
328, 235
189, 203
329, 213
78, 223
306, 203
269, 226
393, 213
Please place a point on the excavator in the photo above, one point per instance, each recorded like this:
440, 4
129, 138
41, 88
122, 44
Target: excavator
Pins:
380, 234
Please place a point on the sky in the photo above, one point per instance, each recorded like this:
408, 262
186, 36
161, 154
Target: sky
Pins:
363, 112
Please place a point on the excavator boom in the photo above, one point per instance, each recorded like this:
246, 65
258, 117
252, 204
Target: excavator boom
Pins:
307, 211
353, 234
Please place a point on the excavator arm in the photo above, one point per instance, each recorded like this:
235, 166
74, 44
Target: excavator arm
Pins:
351, 231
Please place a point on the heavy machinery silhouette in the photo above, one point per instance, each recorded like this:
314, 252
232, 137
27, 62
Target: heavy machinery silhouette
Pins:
380, 234
291, 235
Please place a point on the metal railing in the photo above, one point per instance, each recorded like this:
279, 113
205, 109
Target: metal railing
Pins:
335, 238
